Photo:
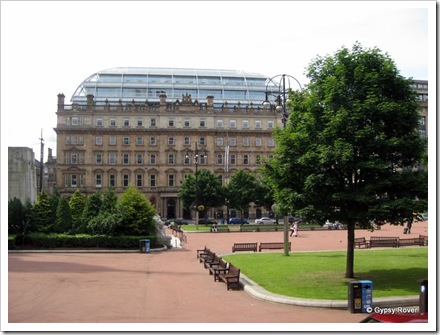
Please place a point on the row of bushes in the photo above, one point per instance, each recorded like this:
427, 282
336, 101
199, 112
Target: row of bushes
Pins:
50, 241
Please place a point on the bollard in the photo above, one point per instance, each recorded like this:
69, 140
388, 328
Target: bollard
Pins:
147, 246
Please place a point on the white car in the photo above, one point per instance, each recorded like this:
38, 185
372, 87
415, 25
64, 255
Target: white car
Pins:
264, 220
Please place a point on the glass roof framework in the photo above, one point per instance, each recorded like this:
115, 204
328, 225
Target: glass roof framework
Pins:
141, 84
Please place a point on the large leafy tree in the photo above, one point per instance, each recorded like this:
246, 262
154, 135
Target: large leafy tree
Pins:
210, 193
63, 219
44, 212
136, 214
77, 203
241, 190
351, 148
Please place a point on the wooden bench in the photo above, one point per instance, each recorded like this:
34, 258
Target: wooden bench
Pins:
361, 241
214, 259
215, 269
230, 277
273, 245
202, 251
420, 241
383, 241
244, 247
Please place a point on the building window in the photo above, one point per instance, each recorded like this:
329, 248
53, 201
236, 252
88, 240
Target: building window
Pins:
99, 158
170, 159
139, 140
245, 141
219, 160
187, 123
112, 180
153, 123
126, 159
153, 179
171, 141
257, 124
202, 123
126, 123
112, 122
203, 159
219, 141
245, 159
99, 122
73, 158
258, 142
186, 160
140, 122
202, 141
153, 141
219, 123
74, 121
270, 124
233, 159
125, 180
139, 159
233, 142
126, 140
112, 140
112, 158
245, 124
258, 160
171, 180
232, 124
73, 180
153, 159
186, 141
98, 140
170, 122
98, 180
139, 180
271, 142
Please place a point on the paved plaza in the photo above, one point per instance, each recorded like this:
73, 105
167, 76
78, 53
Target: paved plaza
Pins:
166, 288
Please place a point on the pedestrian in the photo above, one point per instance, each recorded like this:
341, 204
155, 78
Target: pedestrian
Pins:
295, 229
409, 225
214, 228
291, 229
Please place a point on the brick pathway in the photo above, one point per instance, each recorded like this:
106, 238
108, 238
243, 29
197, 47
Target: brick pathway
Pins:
170, 289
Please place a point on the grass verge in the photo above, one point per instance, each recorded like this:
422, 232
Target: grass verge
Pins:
320, 275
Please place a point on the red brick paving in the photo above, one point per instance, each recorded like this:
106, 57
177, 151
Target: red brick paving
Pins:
169, 288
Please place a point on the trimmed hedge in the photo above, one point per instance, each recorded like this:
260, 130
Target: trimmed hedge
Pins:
50, 241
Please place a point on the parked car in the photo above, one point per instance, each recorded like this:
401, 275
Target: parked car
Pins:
238, 221
207, 221
264, 220
178, 222
396, 318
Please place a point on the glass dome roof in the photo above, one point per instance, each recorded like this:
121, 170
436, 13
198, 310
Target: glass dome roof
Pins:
143, 83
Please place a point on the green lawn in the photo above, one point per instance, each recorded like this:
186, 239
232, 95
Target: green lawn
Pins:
320, 275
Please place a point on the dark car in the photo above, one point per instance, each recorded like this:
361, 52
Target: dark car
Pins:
207, 221
178, 222
294, 219
396, 318
238, 221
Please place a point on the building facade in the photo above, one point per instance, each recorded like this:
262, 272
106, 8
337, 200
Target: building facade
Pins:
134, 127
22, 174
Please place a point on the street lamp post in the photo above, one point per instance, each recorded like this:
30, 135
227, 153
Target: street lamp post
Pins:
196, 162
280, 103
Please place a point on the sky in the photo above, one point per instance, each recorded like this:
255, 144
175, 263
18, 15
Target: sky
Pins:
51, 47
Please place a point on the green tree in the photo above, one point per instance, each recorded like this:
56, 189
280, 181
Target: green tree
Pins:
43, 213
241, 190
209, 190
136, 214
15, 216
77, 203
109, 200
54, 198
91, 209
351, 147
63, 220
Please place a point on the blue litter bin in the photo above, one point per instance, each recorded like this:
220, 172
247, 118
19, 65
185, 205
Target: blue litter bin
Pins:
147, 246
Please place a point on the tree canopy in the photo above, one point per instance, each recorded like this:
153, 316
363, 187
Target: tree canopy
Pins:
351, 148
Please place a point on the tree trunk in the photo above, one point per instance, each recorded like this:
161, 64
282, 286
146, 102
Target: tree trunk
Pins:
349, 273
